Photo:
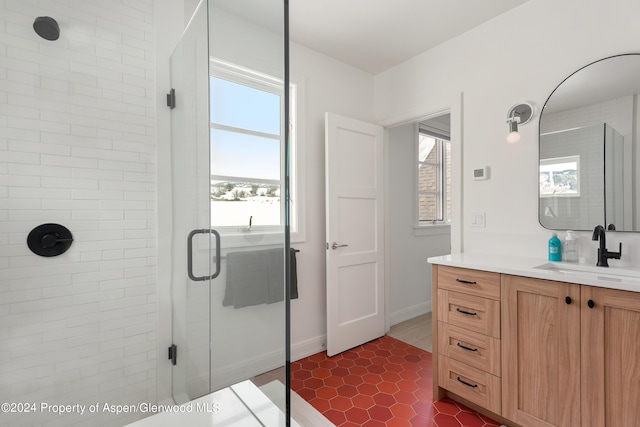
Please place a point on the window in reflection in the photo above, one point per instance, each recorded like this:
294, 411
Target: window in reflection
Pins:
560, 176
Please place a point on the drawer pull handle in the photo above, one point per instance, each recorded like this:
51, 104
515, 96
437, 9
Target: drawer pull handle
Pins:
468, 282
468, 313
466, 383
464, 347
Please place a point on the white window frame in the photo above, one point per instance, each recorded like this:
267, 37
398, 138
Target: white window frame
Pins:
544, 163
430, 227
267, 235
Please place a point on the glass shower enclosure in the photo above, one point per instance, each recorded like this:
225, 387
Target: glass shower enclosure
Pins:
229, 174
582, 179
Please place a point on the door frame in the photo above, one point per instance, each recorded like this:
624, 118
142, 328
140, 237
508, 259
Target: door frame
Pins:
454, 107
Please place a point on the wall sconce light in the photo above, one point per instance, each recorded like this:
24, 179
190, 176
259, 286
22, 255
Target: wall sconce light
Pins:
518, 115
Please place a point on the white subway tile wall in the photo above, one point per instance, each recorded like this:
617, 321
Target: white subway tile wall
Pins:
77, 147
583, 212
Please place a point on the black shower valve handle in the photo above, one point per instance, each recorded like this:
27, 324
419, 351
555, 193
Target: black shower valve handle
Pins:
50, 240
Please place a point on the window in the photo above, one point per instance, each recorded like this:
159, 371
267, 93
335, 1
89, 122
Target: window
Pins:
434, 178
247, 151
560, 176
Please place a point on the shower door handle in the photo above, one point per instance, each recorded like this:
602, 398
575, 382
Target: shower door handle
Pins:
190, 254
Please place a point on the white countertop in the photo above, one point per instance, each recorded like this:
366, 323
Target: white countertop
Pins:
626, 278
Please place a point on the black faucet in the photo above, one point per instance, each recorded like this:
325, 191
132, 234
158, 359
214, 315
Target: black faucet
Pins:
603, 254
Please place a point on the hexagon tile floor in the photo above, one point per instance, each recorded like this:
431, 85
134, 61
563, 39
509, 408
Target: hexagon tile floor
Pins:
384, 382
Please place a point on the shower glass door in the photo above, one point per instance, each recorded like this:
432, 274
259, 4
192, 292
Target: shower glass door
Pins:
190, 211
229, 169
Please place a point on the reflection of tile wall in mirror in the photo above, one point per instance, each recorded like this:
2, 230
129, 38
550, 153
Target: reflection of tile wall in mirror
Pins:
580, 205
602, 92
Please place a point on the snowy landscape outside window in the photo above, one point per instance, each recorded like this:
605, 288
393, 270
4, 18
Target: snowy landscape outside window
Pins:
247, 150
560, 177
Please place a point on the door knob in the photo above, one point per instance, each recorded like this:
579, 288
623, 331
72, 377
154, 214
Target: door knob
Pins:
335, 246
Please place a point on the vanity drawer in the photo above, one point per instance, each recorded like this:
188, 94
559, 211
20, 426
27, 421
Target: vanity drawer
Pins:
481, 283
477, 350
470, 312
470, 383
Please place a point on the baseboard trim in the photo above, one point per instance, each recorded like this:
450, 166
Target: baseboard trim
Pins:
224, 376
234, 373
410, 312
308, 347
254, 366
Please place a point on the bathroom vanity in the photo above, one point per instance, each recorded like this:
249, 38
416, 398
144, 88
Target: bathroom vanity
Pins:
533, 343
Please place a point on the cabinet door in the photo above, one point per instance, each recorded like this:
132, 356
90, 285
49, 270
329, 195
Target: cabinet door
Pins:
610, 358
541, 352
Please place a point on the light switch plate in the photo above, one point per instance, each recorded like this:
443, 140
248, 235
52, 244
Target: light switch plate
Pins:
478, 219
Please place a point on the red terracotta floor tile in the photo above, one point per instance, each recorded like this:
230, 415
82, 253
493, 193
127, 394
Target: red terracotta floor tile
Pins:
397, 422
383, 383
357, 415
385, 400
362, 401
446, 420
403, 411
380, 413
335, 416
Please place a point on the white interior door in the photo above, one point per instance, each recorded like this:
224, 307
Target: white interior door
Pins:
355, 233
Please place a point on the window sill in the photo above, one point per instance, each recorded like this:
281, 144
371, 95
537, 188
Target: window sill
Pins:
431, 230
247, 239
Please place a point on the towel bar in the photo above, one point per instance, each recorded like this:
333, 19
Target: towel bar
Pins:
225, 257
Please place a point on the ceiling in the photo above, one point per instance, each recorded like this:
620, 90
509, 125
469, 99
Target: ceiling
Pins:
372, 35
601, 81
375, 35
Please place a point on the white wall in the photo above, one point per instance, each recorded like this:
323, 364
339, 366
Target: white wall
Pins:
77, 147
333, 86
409, 274
521, 55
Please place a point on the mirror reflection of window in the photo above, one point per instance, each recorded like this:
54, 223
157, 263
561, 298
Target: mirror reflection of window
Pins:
560, 177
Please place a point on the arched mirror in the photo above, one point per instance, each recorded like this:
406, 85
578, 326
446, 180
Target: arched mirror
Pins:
588, 148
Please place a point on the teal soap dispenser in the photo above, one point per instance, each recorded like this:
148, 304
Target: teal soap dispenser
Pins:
555, 248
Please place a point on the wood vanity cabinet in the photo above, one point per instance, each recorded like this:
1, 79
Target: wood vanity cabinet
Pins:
571, 354
541, 351
563, 355
467, 335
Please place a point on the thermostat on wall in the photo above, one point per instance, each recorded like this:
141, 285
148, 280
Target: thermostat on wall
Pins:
481, 173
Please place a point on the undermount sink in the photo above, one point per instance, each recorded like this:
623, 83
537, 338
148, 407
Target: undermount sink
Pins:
616, 274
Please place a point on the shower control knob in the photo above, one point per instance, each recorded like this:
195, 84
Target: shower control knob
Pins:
49, 240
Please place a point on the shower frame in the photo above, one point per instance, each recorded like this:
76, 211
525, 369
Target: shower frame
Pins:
197, 260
